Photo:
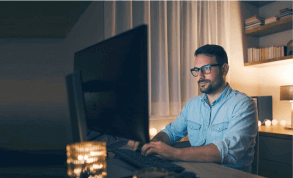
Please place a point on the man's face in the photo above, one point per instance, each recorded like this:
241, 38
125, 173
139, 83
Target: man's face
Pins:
208, 83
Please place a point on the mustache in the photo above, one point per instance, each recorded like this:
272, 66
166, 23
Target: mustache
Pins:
203, 81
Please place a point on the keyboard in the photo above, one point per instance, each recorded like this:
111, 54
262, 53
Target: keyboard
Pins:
136, 159
116, 145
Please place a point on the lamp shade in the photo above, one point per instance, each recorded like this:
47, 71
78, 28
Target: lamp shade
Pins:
286, 92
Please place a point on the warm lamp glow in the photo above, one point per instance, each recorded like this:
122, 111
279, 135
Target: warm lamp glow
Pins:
259, 123
283, 123
274, 122
87, 159
153, 131
268, 123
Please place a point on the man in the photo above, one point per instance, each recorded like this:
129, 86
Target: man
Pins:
221, 124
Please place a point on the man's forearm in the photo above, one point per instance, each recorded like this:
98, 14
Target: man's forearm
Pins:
163, 137
207, 153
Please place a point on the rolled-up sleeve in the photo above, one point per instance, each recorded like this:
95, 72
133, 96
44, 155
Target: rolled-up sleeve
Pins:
176, 130
241, 132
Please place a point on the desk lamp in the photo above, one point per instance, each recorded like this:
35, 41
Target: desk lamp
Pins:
286, 93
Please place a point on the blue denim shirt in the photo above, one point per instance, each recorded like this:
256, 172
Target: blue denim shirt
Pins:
230, 123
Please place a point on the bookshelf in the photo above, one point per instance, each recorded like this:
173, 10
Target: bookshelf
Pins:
275, 29
268, 60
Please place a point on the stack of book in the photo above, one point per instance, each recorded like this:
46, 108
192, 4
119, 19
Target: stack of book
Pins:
259, 54
285, 12
253, 22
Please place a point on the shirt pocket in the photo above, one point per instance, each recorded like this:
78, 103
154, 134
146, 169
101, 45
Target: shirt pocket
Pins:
218, 130
194, 132
220, 127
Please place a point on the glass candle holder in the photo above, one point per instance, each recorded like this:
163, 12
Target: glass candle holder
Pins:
87, 159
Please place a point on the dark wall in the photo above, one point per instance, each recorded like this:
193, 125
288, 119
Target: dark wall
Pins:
33, 106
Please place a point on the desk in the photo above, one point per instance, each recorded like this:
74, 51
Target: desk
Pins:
275, 152
118, 169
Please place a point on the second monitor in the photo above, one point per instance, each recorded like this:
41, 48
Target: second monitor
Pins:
114, 77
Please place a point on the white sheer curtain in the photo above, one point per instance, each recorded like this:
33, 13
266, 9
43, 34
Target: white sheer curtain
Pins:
176, 30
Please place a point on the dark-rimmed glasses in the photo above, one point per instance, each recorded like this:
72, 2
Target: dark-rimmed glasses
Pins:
206, 69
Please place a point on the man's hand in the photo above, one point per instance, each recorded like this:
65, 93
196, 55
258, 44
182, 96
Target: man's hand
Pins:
161, 148
133, 144
161, 136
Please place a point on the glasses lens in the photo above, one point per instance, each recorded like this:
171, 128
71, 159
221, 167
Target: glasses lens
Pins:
194, 72
206, 69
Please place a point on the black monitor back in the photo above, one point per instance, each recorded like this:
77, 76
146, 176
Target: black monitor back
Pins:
114, 74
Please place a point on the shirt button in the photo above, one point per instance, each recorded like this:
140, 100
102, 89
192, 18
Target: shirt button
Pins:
203, 140
207, 125
191, 127
218, 129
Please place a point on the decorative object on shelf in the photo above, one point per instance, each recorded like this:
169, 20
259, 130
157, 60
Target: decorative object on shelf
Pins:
283, 123
274, 122
87, 159
267, 122
259, 123
286, 93
290, 48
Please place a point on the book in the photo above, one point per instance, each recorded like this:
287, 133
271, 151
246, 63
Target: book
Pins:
253, 23
287, 16
287, 13
253, 18
271, 19
285, 9
251, 27
258, 54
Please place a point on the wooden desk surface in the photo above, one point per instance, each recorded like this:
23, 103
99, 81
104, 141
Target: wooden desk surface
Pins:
119, 169
54, 165
211, 170
277, 131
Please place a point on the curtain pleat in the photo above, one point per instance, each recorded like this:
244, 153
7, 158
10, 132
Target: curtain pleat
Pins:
173, 32
176, 30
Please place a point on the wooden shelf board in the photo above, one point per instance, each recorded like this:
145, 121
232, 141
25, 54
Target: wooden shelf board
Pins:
268, 60
275, 27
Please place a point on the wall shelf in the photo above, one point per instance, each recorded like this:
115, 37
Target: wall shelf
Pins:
275, 27
268, 60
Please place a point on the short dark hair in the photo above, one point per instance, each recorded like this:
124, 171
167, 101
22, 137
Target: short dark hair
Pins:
213, 50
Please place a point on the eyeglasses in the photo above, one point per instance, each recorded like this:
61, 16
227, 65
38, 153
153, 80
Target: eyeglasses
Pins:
206, 69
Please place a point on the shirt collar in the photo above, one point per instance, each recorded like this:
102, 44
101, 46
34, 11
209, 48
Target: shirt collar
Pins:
222, 96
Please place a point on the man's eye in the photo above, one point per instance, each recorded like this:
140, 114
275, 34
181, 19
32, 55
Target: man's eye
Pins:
206, 67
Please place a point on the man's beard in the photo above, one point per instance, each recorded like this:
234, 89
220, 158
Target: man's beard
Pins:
211, 87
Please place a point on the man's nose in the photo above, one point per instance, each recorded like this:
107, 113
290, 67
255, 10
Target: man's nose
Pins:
200, 75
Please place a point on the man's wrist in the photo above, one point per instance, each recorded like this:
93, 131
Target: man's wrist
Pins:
163, 137
154, 140
177, 154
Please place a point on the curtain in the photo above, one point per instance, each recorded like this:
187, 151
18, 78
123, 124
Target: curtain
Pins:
176, 30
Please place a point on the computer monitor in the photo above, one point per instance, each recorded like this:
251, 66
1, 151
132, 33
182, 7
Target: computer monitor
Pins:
114, 79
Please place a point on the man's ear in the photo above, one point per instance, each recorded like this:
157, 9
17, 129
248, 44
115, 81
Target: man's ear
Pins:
225, 69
